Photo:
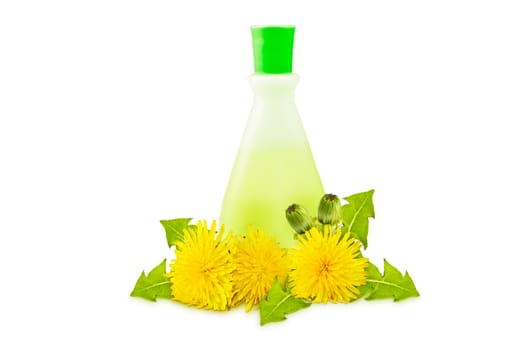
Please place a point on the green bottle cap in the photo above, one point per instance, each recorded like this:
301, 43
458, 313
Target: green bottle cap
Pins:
272, 48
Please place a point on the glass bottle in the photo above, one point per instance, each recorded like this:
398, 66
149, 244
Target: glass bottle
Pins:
274, 166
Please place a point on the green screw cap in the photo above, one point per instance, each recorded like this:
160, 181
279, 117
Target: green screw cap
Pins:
272, 48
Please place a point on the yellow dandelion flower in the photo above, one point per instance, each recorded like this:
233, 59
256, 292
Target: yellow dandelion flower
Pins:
201, 273
258, 260
327, 267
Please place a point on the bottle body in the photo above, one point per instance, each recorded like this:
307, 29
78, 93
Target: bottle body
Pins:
274, 166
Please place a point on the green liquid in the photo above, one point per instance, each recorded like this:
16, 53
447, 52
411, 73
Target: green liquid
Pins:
263, 183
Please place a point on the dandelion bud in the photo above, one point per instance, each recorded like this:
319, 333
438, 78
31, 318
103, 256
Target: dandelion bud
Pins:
329, 210
299, 218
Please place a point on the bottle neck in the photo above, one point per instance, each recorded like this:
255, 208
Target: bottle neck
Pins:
273, 87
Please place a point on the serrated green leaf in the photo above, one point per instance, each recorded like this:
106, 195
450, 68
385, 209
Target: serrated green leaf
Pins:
154, 285
174, 229
278, 304
373, 274
392, 284
356, 214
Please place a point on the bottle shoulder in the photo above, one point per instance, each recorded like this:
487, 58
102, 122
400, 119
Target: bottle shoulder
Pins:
277, 77
274, 82
290, 78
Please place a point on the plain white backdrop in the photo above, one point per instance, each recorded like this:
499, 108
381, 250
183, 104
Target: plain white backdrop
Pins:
117, 114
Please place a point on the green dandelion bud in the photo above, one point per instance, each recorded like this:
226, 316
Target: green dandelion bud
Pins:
299, 218
329, 210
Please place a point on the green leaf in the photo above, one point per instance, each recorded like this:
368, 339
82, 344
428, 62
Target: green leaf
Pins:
174, 229
356, 214
392, 284
154, 285
278, 304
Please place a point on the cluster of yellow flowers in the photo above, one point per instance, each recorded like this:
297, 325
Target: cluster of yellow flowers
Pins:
217, 270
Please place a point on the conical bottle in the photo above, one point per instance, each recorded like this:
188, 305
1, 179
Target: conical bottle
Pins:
274, 166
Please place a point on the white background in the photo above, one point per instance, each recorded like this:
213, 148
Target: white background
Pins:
116, 114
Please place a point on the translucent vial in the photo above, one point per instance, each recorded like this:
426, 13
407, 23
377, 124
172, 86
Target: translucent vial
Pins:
274, 166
